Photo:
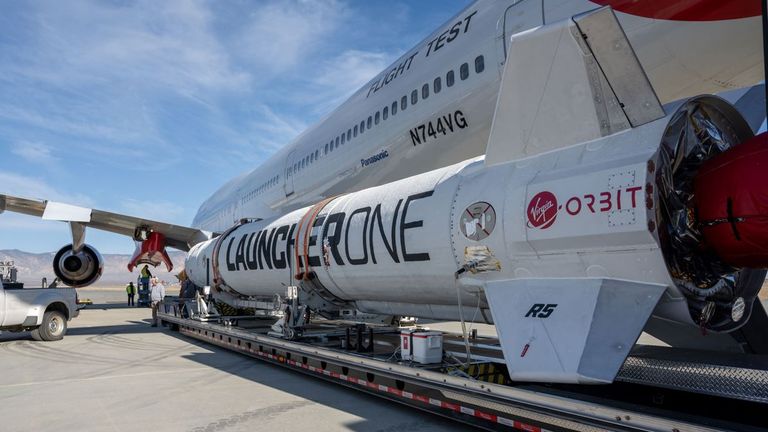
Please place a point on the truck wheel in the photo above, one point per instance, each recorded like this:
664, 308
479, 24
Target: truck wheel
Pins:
53, 328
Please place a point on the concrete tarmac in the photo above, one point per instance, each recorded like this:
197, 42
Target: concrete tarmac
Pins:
113, 372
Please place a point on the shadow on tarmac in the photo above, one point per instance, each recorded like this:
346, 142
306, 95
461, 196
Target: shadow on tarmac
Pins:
369, 408
134, 327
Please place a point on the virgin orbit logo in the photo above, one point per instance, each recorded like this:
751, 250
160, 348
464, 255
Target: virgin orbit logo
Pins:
542, 210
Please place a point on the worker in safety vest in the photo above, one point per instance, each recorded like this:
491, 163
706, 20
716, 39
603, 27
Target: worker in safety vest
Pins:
130, 289
145, 276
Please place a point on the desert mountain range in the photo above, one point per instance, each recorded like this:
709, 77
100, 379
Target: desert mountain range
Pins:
32, 267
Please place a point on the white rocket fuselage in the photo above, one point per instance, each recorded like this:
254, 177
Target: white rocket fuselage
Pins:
581, 212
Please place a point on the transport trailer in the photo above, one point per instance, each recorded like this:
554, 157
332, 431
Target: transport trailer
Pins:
658, 389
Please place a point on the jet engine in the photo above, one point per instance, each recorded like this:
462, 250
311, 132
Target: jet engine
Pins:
78, 269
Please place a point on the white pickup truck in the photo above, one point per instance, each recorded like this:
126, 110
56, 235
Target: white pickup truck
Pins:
44, 311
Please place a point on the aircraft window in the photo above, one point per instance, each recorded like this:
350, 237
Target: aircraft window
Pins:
425, 91
362, 126
354, 131
449, 78
436, 86
385, 113
414, 97
394, 108
403, 103
349, 135
295, 167
325, 152
368, 123
337, 141
479, 64
464, 71
342, 138
311, 157
376, 118
317, 154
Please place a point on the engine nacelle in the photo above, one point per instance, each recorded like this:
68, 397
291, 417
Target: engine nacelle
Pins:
78, 269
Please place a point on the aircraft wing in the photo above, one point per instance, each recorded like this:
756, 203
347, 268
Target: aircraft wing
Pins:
176, 236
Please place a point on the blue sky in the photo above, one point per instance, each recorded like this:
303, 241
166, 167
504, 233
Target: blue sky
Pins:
147, 107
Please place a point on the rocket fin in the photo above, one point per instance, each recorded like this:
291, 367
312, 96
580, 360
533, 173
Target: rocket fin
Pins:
566, 83
569, 330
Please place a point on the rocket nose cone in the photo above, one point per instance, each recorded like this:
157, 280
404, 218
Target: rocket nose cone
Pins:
731, 193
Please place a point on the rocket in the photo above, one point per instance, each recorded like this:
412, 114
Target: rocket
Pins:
596, 214
571, 254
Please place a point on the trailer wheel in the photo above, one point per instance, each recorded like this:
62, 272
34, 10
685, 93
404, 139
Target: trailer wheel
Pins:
53, 327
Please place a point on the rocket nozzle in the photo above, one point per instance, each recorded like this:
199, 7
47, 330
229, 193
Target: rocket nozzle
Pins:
731, 192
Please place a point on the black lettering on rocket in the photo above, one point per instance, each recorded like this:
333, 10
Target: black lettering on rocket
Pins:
281, 233
411, 225
314, 260
364, 259
230, 266
240, 254
263, 250
250, 252
390, 244
337, 219
289, 245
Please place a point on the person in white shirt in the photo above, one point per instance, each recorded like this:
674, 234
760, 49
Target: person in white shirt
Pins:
156, 296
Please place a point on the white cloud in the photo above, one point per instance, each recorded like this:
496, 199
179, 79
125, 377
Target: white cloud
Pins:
37, 188
35, 152
341, 76
107, 78
169, 44
21, 222
157, 210
282, 34
275, 126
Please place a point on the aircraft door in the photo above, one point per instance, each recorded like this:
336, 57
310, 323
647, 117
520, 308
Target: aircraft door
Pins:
521, 16
288, 173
